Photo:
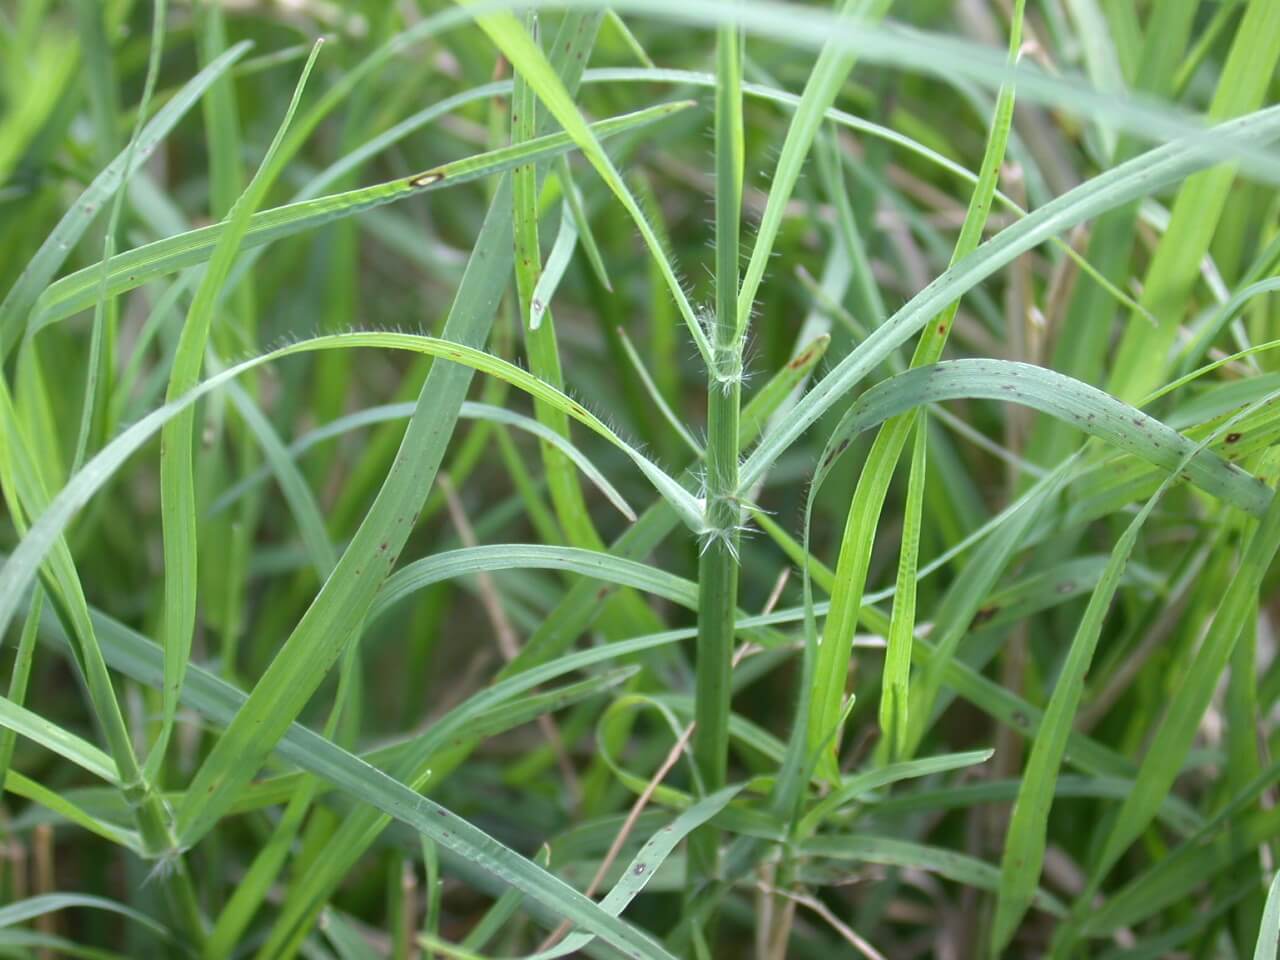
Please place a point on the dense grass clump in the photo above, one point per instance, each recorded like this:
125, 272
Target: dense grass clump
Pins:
678, 478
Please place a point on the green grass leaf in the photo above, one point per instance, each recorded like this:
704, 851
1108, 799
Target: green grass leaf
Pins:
1269, 932
57, 247
1128, 181
129, 270
177, 479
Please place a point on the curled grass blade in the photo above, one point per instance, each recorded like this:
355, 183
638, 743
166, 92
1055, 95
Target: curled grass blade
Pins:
553, 270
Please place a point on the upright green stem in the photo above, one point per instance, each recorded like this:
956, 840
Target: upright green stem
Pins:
540, 342
718, 567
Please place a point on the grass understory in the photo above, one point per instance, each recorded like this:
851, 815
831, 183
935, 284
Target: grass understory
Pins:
715, 478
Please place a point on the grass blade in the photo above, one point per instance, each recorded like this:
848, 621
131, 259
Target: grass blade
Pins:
1120, 185
177, 478
128, 270
54, 251
1269, 932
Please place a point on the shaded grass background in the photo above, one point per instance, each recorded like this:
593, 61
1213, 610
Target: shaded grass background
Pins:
1177, 841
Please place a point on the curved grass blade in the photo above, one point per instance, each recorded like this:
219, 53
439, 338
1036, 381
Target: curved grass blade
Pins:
859, 784
34, 907
19, 570
1129, 181
959, 867
1089, 409
553, 270
509, 556
131, 269
402, 411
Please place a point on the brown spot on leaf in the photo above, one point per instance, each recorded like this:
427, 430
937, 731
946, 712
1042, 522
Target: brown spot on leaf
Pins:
426, 179
801, 359
831, 457
983, 615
